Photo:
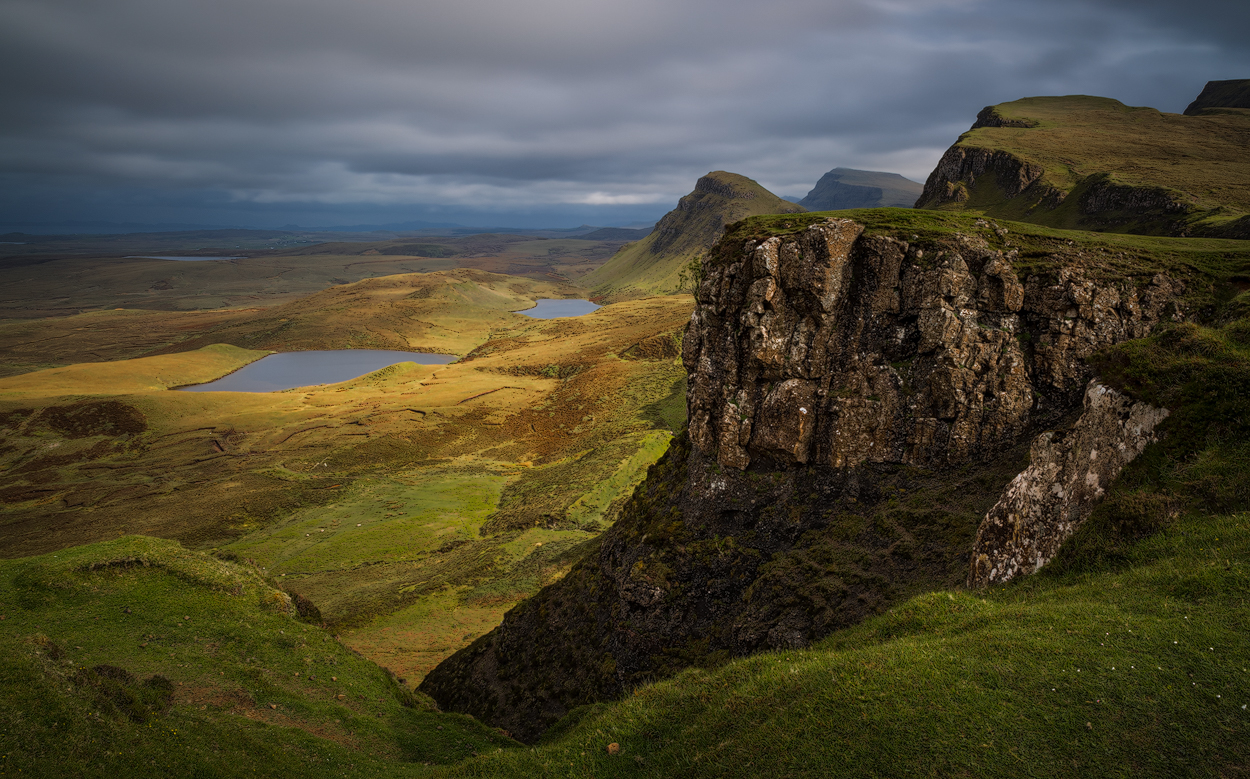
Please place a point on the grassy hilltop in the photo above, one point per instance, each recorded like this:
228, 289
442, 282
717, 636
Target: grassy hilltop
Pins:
654, 265
1080, 162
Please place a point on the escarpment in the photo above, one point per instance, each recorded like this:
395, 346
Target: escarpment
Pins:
1092, 163
858, 402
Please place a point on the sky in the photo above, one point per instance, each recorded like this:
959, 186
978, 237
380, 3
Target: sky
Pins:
535, 113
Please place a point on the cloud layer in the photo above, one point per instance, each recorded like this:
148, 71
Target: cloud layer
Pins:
256, 111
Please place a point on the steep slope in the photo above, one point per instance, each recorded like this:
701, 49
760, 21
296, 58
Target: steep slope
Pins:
1218, 95
136, 657
1083, 162
843, 188
862, 391
654, 264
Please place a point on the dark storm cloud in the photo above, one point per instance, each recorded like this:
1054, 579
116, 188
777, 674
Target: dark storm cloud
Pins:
509, 106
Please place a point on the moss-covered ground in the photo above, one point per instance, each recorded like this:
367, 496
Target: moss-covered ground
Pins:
370, 497
136, 657
1127, 655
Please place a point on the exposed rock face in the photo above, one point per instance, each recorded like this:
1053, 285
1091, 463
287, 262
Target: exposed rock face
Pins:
961, 166
829, 350
1068, 474
855, 404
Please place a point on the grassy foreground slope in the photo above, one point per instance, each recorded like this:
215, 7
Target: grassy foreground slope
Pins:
1083, 162
1126, 656
136, 657
654, 265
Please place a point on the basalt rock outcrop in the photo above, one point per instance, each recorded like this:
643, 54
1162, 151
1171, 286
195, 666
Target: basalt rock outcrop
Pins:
857, 403
1068, 474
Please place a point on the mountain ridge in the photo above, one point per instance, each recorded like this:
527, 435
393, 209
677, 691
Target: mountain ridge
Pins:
843, 188
654, 264
1093, 163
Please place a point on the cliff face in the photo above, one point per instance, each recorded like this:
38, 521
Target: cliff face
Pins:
857, 404
1093, 163
829, 349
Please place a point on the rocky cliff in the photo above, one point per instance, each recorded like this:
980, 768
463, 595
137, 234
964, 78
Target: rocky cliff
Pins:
1095, 164
1068, 474
858, 401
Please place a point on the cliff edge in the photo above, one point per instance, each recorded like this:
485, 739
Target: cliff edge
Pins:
859, 400
1092, 163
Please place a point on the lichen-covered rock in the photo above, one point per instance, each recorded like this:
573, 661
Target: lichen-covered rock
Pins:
857, 403
824, 347
1068, 475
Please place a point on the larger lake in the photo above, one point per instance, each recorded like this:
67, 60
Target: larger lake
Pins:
304, 369
547, 308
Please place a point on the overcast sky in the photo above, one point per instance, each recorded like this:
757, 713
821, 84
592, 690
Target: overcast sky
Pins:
528, 112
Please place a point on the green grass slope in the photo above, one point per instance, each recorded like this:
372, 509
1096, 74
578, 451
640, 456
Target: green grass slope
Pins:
1082, 162
654, 265
1126, 656
849, 188
136, 657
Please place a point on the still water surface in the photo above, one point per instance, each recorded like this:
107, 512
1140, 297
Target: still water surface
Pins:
547, 308
304, 369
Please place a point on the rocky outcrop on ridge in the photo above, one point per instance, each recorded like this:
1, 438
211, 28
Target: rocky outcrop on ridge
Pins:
1068, 474
857, 403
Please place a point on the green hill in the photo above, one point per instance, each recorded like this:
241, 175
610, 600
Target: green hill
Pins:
849, 188
1093, 163
136, 657
654, 265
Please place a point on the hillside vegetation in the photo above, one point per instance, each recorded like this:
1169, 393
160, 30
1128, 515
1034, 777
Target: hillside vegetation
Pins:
414, 505
1124, 656
1083, 162
655, 264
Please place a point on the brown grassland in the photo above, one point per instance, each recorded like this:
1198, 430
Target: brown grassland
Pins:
413, 506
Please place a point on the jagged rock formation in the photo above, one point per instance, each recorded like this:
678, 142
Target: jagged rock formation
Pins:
1093, 163
654, 264
849, 188
918, 360
857, 402
1068, 475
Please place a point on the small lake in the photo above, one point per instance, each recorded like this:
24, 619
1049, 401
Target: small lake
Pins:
547, 308
181, 259
304, 369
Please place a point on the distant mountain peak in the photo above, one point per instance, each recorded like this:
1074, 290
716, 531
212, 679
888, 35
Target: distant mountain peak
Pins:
653, 264
851, 188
